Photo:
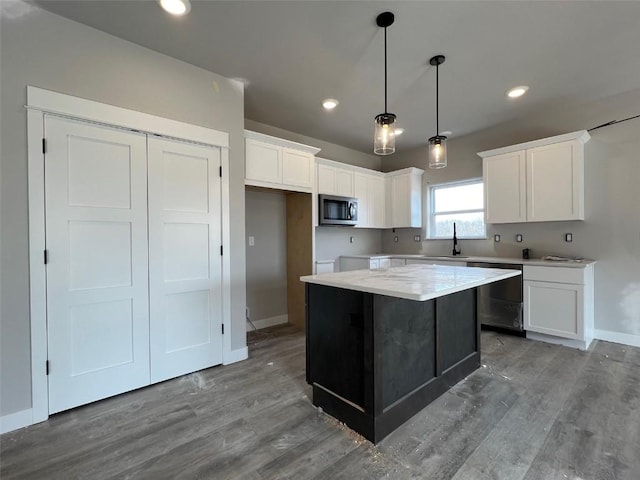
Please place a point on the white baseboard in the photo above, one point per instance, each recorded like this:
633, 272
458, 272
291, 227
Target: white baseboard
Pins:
271, 321
237, 356
14, 421
617, 337
567, 342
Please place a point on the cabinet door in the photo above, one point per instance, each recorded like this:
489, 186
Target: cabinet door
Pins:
344, 182
406, 201
554, 309
555, 182
297, 168
384, 262
374, 264
327, 179
263, 162
505, 188
375, 201
361, 192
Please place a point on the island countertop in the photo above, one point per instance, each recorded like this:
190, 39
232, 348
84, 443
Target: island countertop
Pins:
413, 282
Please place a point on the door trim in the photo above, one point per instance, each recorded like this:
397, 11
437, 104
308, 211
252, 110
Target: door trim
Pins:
39, 102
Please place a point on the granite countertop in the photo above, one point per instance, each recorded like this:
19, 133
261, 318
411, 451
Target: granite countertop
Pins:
464, 259
413, 282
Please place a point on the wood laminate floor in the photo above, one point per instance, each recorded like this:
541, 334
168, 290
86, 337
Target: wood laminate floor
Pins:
533, 411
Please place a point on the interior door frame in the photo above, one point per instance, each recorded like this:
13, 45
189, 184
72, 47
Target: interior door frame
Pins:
41, 102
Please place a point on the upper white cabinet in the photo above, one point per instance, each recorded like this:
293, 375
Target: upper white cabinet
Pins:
404, 198
276, 163
385, 200
334, 179
369, 190
538, 181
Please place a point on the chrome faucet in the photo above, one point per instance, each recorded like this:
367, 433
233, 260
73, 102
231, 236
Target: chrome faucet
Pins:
456, 248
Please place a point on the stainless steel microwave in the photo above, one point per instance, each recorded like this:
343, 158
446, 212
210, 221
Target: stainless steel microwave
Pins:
337, 210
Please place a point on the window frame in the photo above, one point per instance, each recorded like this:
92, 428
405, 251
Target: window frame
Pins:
431, 215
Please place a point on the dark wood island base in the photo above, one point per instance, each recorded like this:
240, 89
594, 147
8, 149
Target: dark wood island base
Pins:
374, 361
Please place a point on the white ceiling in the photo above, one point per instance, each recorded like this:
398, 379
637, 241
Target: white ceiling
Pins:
293, 54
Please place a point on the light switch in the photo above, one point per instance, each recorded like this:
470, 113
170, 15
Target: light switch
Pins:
252, 241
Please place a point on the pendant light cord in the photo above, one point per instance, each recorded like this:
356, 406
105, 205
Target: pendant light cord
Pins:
613, 122
385, 70
437, 100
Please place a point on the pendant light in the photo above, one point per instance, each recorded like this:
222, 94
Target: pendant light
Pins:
437, 143
384, 140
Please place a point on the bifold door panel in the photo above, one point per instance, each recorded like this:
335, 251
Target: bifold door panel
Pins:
184, 258
134, 270
97, 287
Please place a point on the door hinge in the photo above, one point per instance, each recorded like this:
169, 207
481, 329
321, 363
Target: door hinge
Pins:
221, 250
44, 145
47, 367
223, 328
220, 172
46, 257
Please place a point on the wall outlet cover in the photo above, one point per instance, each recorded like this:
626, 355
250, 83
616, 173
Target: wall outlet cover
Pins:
496, 238
568, 237
519, 238
416, 238
395, 239
352, 239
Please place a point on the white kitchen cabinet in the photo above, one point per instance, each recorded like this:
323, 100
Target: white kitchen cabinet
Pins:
363, 263
369, 190
404, 198
505, 193
276, 163
537, 181
334, 179
558, 302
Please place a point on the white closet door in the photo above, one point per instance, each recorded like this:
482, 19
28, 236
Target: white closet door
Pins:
185, 276
97, 287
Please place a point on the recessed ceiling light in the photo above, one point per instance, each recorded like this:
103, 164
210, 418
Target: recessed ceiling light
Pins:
330, 103
398, 131
516, 92
175, 7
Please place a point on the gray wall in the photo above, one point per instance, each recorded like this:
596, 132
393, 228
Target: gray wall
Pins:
47, 51
331, 242
611, 232
266, 220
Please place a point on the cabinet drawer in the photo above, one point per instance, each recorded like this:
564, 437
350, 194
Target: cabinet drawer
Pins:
575, 275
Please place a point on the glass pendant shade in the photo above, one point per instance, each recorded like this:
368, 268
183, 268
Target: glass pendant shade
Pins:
438, 152
384, 135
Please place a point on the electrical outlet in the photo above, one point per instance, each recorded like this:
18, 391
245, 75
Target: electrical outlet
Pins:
352, 239
395, 239
518, 238
252, 241
568, 237
496, 238
416, 238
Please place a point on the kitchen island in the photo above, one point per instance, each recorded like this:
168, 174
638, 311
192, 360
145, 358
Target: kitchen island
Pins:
383, 344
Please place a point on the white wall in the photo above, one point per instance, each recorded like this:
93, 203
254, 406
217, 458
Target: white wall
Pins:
266, 221
331, 242
41, 49
611, 232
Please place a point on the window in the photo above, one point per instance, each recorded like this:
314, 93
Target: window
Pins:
459, 202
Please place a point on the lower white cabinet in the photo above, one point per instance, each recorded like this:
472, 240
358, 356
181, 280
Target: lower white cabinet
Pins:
363, 263
558, 301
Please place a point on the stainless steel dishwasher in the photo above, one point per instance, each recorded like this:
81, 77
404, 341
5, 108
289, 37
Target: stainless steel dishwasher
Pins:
500, 303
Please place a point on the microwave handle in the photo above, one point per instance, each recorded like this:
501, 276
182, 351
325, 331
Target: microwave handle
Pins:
352, 211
